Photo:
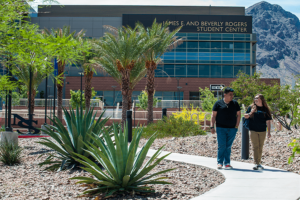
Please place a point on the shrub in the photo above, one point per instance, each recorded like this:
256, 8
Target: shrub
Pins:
10, 153
143, 100
187, 114
173, 127
76, 98
67, 141
122, 163
296, 149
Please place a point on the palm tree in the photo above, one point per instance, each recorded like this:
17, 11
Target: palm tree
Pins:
68, 50
166, 41
89, 69
121, 58
22, 72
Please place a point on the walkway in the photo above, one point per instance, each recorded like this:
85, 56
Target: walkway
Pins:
243, 183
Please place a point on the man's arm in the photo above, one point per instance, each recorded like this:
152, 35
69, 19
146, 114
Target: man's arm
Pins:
238, 113
213, 121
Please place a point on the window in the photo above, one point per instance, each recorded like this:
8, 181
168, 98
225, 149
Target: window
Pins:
169, 69
180, 70
227, 71
204, 70
215, 71
194, 95
192, 45
192, 70
238, 69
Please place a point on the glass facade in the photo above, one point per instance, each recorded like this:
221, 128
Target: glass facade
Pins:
209, 55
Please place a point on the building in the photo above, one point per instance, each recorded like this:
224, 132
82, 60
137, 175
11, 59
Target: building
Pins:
218, 43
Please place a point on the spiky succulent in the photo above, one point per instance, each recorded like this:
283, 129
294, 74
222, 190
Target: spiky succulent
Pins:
80, 128
123, 164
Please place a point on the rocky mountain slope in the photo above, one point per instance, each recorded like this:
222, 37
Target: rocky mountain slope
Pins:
278, 41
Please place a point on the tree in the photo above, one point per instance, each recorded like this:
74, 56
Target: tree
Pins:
27, 56
207, 99
164, 40
76, 98
121, 57
89, 69
246, 87
143, 100
68, 50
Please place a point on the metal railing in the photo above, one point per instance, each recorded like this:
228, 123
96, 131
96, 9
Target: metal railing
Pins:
65, 102
175, 103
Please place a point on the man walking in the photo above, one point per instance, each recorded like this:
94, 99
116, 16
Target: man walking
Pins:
226, 115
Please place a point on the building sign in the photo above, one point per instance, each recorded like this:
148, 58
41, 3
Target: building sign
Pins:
216, 87
195, 23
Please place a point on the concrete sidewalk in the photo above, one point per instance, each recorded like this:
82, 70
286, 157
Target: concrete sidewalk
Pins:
243, 182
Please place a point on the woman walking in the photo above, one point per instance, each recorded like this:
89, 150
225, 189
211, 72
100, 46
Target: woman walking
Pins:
259, 116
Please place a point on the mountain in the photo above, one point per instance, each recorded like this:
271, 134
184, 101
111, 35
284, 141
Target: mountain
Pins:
278, 41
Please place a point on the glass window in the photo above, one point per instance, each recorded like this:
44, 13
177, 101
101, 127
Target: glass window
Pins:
227, 71
180, 70
194, 95
247, 45
192, 54
204, 45
180, 50
192, 50
192, 70
169, 69
182, 46
204, 50
204, 36
159, 71
216, 36
216, 45
204, 70
99, 93
215, 54
227, 45
192, 36
192, 45
215, 71
108, 101
108, 93
238, 69
253, 70
136, 93
240, 45
247, 70
204, 54
204, 58
158, 93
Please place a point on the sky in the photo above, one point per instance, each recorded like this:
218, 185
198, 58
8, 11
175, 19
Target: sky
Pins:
292, 6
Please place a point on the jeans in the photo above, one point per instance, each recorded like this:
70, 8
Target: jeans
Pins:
225, 137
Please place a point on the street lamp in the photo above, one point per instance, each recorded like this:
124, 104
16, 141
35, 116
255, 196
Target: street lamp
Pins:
81, 73
46, 101
178, 87
114, 87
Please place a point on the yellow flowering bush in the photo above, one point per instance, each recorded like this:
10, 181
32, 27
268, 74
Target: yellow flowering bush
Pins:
188, 114
296, 149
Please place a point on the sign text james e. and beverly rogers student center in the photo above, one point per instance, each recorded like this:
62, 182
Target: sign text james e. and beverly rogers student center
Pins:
218, 43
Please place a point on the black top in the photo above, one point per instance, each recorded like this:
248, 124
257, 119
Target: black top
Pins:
259, 120
226, 116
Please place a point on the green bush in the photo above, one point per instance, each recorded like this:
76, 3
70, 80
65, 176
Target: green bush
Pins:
76, 98
10, 153
80, 127
172, 127
123, 164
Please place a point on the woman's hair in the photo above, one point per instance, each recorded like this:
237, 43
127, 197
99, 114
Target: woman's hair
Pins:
264, 103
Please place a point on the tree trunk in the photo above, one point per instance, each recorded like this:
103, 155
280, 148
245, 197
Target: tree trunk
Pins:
61, 69
88, 89
33, 93
125, 94
151, 66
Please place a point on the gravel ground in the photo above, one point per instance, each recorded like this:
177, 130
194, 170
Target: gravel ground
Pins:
28, 181
275, 153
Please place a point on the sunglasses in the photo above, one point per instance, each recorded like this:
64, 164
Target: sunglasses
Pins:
256, 98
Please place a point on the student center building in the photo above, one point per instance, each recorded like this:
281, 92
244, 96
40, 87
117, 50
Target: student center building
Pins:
218, 43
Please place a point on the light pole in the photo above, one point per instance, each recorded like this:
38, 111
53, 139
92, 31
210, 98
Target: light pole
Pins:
178, 87
81, 73
114, 87
46, 88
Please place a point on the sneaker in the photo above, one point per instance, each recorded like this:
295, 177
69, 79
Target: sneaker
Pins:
228, 167
260, 167
255, 167
219, 166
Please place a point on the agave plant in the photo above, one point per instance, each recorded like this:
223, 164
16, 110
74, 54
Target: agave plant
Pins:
123, 164
80, 128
